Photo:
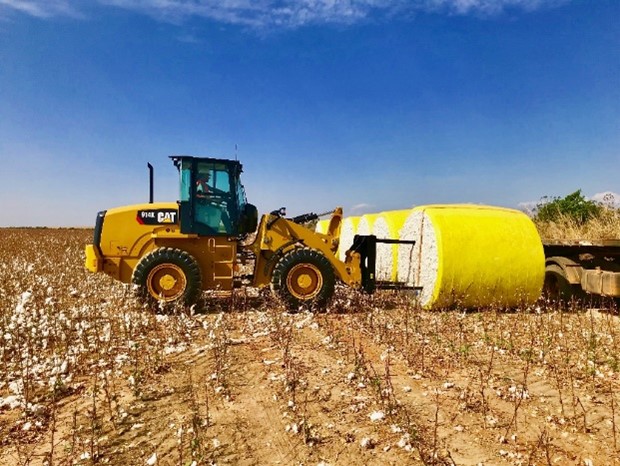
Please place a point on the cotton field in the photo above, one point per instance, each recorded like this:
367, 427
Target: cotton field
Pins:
90, 376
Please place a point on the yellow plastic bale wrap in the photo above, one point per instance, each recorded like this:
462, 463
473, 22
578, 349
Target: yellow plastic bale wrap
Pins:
348, 231
471, 256
322, 226
387, 225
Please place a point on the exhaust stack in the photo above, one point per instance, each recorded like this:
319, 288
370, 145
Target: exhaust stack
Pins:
150, 182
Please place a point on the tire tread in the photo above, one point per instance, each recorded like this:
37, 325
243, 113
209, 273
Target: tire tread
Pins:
294, 257
176, 256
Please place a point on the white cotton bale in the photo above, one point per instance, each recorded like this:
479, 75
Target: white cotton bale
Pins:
417, 265
387, 225
366, 223
365, 228
348, 230
471, 256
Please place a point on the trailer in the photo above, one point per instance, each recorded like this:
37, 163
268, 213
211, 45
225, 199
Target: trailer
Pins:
582, 269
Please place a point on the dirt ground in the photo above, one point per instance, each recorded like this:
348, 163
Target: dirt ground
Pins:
89, 376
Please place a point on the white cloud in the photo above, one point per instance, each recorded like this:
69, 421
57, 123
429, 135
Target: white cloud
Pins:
360, 209
608, 198
529, 207
41, 8
261, 14
489, 7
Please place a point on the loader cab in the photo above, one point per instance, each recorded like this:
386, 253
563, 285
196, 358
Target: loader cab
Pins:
212, 200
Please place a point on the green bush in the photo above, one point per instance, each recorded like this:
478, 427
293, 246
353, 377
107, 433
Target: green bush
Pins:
574, 206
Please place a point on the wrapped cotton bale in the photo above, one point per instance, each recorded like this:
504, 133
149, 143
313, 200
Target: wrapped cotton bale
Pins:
365, 228
348, 231
322, 226
387, 225
471, 256
366, 223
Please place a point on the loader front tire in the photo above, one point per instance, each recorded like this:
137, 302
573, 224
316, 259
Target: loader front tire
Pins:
303, 278
168, 277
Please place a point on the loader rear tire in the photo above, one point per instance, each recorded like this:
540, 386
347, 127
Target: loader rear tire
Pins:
168, 277
304, 278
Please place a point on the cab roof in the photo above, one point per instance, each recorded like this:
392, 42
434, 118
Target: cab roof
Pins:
178, 159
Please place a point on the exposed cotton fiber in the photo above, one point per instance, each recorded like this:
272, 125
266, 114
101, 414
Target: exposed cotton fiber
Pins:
366, 222
387, 225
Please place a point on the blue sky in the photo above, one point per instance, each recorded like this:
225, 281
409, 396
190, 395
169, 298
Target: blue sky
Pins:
367, 104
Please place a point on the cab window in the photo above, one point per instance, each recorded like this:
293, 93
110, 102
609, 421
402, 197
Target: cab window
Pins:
186, 181
213, 199
241, 197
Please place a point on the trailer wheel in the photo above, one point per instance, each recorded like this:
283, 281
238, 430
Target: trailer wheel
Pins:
557, 288
168, 277
303, 278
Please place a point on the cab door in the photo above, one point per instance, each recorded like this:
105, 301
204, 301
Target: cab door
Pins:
207, 201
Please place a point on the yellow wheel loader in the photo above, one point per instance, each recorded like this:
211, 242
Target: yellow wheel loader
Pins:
173, 251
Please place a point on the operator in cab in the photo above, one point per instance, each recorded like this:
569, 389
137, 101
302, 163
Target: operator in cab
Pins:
202, 186
213, 210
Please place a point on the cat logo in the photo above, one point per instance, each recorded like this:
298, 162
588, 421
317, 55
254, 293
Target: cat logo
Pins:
157, 217
166, 217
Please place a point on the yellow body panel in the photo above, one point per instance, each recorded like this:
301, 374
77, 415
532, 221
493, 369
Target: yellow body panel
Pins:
94, 261
125, 240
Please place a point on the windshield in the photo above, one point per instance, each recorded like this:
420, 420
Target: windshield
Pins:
213, 194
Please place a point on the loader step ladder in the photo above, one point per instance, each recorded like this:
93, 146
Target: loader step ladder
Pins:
222, 254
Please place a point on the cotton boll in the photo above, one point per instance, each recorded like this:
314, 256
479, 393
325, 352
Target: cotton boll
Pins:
367, 443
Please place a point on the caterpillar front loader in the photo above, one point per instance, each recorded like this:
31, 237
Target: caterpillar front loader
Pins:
173, 251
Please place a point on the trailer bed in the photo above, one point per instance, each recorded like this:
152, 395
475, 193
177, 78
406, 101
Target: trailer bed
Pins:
604, 247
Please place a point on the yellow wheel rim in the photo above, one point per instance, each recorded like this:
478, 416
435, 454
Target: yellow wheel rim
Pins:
304, 281
166, 282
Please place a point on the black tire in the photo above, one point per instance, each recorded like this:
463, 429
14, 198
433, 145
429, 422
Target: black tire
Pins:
557, 288
168, 277
303, 278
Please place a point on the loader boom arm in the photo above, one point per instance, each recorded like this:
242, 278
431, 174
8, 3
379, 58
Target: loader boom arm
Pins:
277, 235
